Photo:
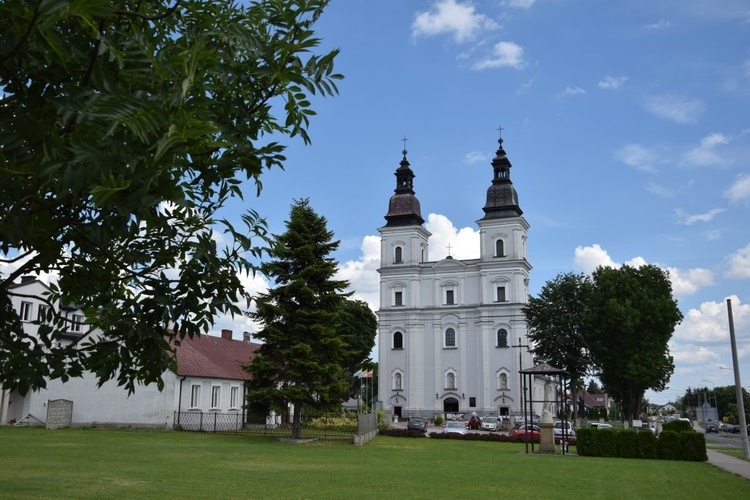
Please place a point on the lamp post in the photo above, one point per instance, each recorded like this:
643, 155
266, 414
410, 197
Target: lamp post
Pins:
713, 389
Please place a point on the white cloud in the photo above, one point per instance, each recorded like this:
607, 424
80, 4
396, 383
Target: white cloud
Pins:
505, 55
689, 220
684, 281
660, 190
475, 157
676, 109
659, 25
739, 264
638, 157
691, 354
362, 274
710, 323
740, 189
704, 155
451, 17
519, 4
464, 243
569, 91
612, 82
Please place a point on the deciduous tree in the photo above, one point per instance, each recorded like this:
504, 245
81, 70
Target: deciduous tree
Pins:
127, 126
301, 360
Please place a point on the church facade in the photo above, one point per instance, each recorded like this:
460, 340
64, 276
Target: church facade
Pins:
452, 335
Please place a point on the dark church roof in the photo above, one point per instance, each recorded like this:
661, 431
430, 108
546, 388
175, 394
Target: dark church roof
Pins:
502, 199
214, 357
404, 208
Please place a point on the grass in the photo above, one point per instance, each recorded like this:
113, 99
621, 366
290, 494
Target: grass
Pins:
95, 463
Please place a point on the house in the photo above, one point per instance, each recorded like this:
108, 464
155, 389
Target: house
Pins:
209, 379
452, 333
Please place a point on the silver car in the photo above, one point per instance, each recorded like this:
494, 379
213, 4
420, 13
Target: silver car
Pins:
455, 428
490, 424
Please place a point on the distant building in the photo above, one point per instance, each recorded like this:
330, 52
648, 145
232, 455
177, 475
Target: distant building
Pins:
209, 378
449, 329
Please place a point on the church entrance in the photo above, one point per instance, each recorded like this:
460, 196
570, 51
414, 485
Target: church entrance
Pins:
397, 411
450, 405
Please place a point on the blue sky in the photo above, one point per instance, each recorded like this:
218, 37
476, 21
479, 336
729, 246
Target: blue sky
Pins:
627, 124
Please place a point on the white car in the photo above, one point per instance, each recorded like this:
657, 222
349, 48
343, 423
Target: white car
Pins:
455, 428
599, 425
490, 424
570, 434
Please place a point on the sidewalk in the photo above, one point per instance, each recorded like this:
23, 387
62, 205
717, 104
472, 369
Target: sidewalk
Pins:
728, 463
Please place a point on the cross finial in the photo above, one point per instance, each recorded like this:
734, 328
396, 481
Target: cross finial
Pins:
449, 249
500, 131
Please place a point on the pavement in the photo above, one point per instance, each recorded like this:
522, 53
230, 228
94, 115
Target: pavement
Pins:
729, 463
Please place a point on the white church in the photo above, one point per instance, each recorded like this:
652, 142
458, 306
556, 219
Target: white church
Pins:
452, 336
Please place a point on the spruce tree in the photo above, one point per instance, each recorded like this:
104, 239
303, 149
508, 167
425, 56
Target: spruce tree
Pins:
300, 360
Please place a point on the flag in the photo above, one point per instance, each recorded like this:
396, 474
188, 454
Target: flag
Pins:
367, 374
358, 374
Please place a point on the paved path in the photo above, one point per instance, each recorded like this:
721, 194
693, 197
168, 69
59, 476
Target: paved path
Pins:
729, 463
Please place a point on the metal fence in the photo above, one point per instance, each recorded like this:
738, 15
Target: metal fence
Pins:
318, 427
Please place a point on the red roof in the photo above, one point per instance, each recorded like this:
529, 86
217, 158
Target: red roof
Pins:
214, 357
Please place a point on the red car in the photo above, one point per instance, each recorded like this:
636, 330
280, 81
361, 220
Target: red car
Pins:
527, 432
474, 423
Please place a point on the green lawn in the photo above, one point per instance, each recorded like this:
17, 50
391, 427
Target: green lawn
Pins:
92, 463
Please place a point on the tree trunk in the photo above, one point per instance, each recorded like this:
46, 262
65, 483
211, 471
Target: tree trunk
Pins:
297, 421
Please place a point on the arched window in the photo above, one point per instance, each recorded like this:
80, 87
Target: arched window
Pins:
502, 338
450, 337
398, 257
398, 340
397, 382
502, 382
499, 248
450, 380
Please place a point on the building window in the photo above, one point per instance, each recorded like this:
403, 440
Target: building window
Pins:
422, 257
234, 397
215, 397
450, 381
26, 311
450, 337
449, 299
398, 340
472, 402
501, 294
502, 382
398, 257
398, 298
397, 382
195, 396
76, 323
502, 338
499, 248
41, 315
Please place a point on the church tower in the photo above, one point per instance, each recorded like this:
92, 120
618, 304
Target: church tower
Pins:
447, 328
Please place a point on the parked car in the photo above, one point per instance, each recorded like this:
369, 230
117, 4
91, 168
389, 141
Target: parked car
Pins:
600, 425
735, 429
455, 427
563, 430
527, 432
474, 422
417, 424
490, 424
712, 428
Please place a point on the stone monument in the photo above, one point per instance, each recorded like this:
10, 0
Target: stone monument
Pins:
547, 432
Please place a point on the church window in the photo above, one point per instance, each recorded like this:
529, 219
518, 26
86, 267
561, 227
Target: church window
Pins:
502, 382
398, 257
499, 248
502, 338
501, 294
422, 254
398, 298
472, 402
195, 396
398, 382
450, 381
398, 340
449, 300
450, 337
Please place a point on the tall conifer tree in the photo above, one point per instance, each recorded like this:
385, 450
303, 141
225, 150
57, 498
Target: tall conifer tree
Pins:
300, 361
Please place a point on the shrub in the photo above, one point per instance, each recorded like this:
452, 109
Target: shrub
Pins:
607, 442
627, 443
647, 445
692, 446
677, 426
669, 445
586, 442
393, 432
438, 420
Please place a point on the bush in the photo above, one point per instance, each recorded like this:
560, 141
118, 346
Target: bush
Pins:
586, 442
669, 445
607, 442
438, 420
678, 426
692, 446
647, 445
393, 432
627, 443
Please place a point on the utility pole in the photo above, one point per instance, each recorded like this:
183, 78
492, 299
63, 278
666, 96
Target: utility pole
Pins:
738, 385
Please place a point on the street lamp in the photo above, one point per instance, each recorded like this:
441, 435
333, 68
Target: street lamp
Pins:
713, 389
